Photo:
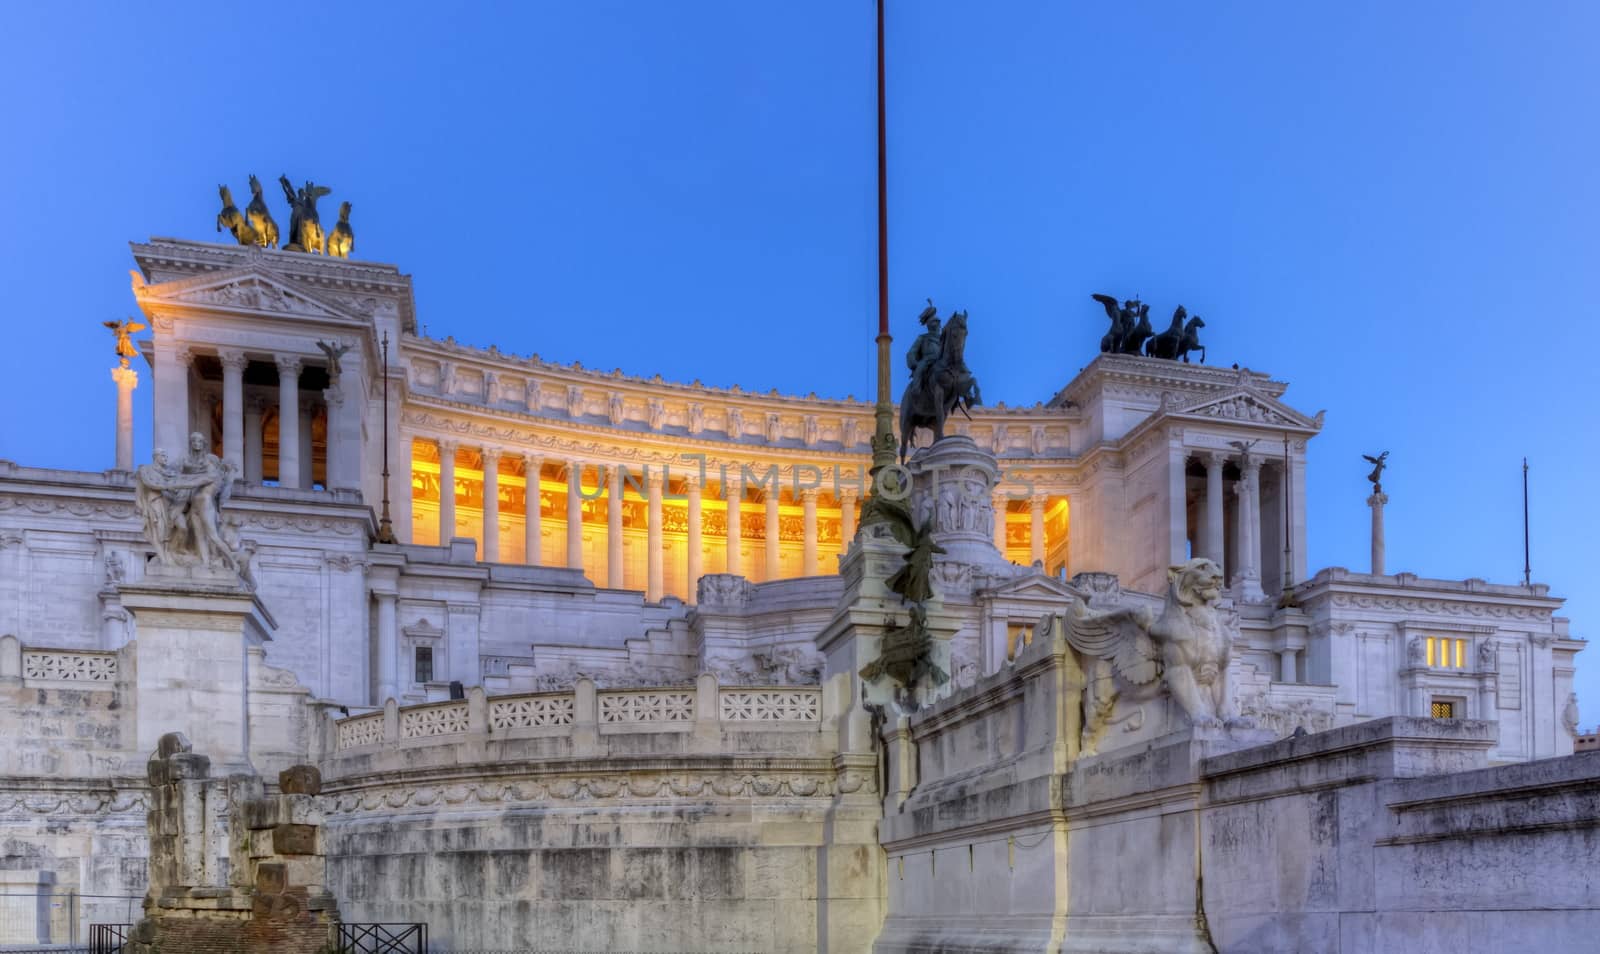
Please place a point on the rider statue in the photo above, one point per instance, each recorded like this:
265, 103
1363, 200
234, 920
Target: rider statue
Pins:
925, 350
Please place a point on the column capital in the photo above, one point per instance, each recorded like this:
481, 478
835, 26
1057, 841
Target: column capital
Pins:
125, 377
447, 446
1215, 459
287, 363
490, 454
654, 480
808, 495
532, 461
232, 359
184, 354
848, 493
1251, 465
733, 484
1038, 499
692, 482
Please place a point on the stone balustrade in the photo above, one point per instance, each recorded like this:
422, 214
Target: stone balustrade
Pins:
616, 711
53, 668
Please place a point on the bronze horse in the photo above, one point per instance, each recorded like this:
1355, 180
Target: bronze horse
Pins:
1178, 340
948, 385
234, 220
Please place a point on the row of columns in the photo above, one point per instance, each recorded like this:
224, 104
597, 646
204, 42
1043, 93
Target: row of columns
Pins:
654, 494
1247, 516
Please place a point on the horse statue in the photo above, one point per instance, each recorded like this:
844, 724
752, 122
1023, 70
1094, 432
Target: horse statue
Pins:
947, 386
1178, 340
260, 218
305, 229
233, 219
1134, 338
1121, 322
341, 240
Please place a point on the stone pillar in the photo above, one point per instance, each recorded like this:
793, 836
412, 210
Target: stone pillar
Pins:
1286, 663
388, 649
127, 379
1249, 535
847, 518
999, 503
694, 565
288, 420
308, 471
1376, 502
172, 365
253, 409
574, 515
653, 569
491, 504
233, 362
615, 577
774, 564
808, 566
1036, 529
1214, 533
532, 517
447, 492
733, 493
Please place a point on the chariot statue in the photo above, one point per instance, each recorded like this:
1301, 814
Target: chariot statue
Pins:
305, 229
259, 218
233, 220
1180, 338
940, 380
1130, 325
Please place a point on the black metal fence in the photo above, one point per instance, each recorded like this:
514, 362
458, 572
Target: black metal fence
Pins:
383, 939
108, 938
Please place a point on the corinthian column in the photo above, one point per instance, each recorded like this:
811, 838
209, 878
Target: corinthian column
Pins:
574, 515
491, 504
1214, 507
1376, 502
808, 566
614, 570
999, 502
253, 409
233, 362
1249, 491
127, 379
847, 518
447, 492
733, 493
532, 532
694, 561
773, 543
288, 420
653, 575
1036, 529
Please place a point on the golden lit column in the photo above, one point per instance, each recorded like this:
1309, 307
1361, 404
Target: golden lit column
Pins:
1000, 522
694, 566
126, 380
614, 569
847, 517
1214, 502
491, 504
653, 569
574, 515
447, 492
233, 362
808, 567
288, 420
253, 409
1036, 530
733, 493
532, 533
773, 543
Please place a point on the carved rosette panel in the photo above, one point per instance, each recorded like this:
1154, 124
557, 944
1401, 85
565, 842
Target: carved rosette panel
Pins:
529, 712
63, 666
771, 705
362, 730
447, 718
651, 706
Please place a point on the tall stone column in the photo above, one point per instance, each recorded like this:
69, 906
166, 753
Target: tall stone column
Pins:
847, 518
694, 562
1249, 515
1215, 534
288, 420
774, 544
388, 648
172, 363
233, 362
447, 492
532, 517
1036, 529
615, 576
999, 502
1376, 502
733, 493
308, 471
127, 379
654, 581
253, 409
574, 515
808, 566
491, 504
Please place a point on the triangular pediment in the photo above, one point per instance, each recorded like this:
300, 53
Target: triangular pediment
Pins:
1033, 586
251, 290
1247, 406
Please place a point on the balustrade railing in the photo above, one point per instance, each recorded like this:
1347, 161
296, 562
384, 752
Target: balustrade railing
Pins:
88, 667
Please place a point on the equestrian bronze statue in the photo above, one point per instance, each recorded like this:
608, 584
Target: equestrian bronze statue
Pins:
940, 381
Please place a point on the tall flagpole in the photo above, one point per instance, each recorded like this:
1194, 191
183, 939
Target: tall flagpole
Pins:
1527, 564
883, 446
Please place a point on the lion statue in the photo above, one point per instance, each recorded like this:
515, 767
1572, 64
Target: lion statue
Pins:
1134, 653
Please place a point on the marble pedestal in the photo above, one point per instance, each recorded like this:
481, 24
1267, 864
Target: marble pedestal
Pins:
952, 484
194, 632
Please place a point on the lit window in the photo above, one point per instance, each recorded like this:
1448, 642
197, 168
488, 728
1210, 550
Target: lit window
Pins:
424, 664
1447, 653
1443, 710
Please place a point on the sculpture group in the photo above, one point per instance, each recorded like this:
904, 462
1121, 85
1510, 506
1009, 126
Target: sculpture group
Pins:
1131, 332
181, 506
940, 379
1133, 654
256, 226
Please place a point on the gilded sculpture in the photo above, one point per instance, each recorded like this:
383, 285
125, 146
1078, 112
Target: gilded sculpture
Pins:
341, 240
1132, 653
233, 220
305, 229
259, 218
124, 330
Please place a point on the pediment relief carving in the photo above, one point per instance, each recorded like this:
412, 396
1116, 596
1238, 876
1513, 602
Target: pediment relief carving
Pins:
252, 290
1248, 406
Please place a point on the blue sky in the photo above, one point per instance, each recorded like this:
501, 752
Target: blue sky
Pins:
1390, 206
